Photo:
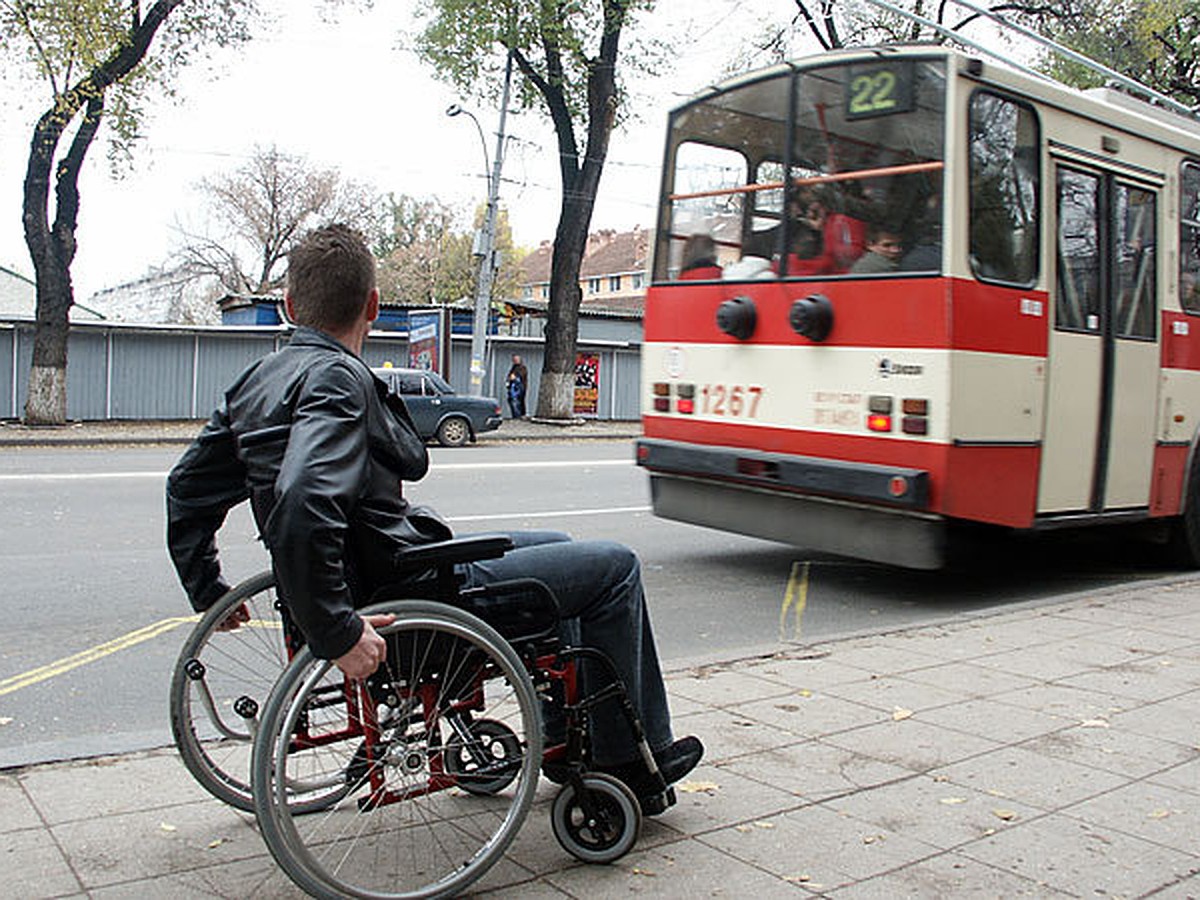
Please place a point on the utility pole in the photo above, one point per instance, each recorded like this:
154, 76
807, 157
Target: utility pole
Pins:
485, 247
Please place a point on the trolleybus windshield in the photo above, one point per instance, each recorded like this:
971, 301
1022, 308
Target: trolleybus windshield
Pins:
856, 148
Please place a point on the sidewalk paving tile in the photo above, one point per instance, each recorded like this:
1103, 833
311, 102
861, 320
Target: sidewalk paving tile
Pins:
828, 848
713, 797
1185, 777
16, 810
1072, 704
1112, 750
1147, 811
917, 746
816, 770
167, 841
969, 679
965, 641
1073, 656
1033, 628
1154, 638
727, 735
875, 655
259, 878
1148, 681
1027, 777
887, 693
1184, 889
1082, 859
992, 720
84, 789
938, 813
1110, 613
687, 868
812, 671
538, 889
1172, 720
808, 714
948, 875
32, 865
718, 687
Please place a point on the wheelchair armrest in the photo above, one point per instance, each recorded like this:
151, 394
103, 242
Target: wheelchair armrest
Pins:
452, 552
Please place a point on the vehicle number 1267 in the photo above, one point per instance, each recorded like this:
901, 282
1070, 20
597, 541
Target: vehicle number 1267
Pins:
730, 400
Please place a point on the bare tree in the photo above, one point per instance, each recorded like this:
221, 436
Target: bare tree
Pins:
261, 208
427, 257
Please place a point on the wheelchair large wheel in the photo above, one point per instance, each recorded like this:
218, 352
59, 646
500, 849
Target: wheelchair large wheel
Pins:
411, 824
220, 680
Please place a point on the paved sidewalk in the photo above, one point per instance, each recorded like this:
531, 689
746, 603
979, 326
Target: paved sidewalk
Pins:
173, 431
1044, 751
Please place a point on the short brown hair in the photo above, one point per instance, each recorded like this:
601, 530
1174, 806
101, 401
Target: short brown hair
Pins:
331, 273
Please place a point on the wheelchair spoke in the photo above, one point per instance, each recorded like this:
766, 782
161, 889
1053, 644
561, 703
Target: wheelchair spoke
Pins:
439, 772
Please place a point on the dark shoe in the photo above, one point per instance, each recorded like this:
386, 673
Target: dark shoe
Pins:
674, 762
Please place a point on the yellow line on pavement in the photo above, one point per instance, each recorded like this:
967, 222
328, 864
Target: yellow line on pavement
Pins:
796, 597
33, 676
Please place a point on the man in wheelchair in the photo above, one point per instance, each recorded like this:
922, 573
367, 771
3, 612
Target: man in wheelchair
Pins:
320, 448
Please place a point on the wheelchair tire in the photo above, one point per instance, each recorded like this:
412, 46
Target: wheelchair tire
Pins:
405, 829
598, 824
220, 683
215, 670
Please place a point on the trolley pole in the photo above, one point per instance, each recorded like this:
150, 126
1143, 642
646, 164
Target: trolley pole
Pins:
485, 248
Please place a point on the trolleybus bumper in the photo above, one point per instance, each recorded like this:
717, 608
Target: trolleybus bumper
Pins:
853, 509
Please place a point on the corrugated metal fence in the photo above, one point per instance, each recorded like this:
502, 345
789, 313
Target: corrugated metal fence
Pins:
117, 371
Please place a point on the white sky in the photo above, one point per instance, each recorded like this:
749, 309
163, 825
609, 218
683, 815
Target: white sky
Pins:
343, 95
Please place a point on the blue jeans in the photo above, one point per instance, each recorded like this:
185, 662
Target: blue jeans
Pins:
599, 586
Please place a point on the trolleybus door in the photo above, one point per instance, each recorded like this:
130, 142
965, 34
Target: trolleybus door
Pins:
1102, 363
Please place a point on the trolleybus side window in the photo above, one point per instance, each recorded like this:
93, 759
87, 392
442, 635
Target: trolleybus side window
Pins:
1004, 181
1134, 229
1077, 304
1189, 237
1117, 248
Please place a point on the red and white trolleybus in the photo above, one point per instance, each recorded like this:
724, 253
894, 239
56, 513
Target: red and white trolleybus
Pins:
901, 288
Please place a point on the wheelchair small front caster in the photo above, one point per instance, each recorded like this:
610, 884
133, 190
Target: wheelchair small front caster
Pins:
597, 819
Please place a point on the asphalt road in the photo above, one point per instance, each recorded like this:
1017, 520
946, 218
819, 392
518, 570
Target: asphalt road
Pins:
93, 616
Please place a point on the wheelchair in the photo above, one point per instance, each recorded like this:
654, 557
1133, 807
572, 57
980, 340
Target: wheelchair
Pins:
414, 781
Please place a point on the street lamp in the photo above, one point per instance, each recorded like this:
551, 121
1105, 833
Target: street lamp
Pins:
485, 239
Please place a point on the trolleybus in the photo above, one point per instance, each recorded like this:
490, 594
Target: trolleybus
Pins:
897, 289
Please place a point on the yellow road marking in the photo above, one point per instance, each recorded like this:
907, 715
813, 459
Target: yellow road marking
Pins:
796, 597
33, 676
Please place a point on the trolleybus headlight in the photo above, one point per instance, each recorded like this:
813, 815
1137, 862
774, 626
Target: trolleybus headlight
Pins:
812, 317
737, 317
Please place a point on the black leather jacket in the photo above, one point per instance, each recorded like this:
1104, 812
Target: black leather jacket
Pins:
318, 445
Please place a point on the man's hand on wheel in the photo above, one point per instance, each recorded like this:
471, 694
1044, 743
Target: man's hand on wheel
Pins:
366, 655
234, 620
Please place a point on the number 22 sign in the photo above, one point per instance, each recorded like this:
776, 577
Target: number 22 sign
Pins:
879, 90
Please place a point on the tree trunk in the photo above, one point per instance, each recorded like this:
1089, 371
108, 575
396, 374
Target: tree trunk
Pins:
46, 399
51, 251
556, 390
